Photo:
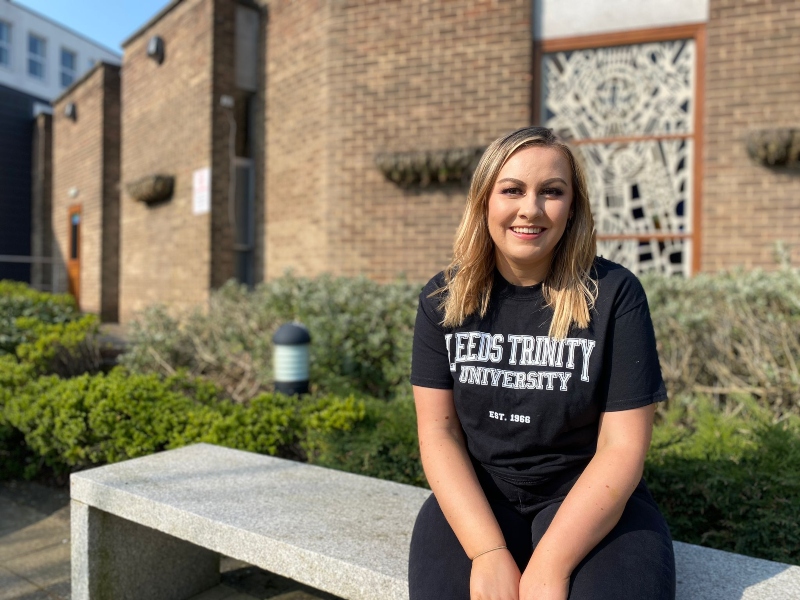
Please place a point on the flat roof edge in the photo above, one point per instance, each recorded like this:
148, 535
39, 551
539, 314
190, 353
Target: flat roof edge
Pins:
78, 82
65, 28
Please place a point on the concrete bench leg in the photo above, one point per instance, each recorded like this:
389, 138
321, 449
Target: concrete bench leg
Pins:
115, 559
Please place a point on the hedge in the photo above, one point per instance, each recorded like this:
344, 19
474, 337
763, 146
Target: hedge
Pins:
93, 419
361, 335
17, 299
724, 334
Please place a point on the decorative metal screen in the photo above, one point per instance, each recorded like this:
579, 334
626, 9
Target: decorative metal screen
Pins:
629, 110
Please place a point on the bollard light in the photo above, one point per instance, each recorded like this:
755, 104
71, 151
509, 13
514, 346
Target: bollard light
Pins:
291, 358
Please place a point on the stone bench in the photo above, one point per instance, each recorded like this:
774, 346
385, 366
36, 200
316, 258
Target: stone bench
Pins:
155, 527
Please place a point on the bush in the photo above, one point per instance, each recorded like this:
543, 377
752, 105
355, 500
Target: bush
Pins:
361, 335
729, 480
65, 349
89, 420
383, 444
730, 334
19, 300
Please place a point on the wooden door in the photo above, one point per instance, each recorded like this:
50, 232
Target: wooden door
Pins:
74, 252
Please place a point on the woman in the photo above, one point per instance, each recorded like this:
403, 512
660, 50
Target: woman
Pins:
535, 379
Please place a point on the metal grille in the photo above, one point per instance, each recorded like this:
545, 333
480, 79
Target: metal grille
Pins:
629, 111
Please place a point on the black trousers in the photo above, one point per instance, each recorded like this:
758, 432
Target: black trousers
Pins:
633, 562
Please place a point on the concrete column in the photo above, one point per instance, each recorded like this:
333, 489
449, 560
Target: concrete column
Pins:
116, 559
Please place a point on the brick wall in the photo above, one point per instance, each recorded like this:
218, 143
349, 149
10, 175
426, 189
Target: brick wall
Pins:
167, 128
752, 82
79, 164
299, 145
349, 79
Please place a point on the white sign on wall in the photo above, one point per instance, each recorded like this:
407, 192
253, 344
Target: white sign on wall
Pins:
201, 191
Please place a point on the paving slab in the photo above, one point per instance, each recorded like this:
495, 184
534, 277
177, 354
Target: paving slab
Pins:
221, 592
47, 531
43, 499
14, 587
48, 568
16, 516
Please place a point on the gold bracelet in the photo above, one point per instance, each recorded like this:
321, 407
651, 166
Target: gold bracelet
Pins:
489, 550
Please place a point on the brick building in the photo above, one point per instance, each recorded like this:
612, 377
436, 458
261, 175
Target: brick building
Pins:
85, 188
39, 59
278, 127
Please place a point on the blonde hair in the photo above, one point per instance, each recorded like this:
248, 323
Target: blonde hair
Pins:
568, 287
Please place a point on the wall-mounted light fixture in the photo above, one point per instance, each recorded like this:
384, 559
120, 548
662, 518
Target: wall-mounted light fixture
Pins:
155, 48
71, 111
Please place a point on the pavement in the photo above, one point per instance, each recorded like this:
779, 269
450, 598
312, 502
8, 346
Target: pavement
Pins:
35, 553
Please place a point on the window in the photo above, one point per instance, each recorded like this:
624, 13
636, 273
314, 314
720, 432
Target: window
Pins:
629, 109
36, 56
68, 63
5, 44
74, 235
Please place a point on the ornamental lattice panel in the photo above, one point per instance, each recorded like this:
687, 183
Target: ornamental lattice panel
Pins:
640, 186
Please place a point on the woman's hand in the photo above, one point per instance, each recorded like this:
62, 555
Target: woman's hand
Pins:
494, 576
539, 582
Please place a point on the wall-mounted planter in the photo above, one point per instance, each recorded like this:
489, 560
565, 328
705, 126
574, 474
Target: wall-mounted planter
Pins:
775, 147
429, 168
152, 188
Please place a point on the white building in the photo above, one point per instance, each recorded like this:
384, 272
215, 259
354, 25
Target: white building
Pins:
40, 57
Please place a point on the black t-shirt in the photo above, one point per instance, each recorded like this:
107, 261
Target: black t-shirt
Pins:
529, 404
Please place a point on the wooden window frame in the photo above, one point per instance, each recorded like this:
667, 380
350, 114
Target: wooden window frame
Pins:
695, 31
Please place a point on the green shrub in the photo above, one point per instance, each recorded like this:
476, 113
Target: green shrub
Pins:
14, 453
730, 333
19, 300
361, 335
90, 420
722, 334
729, 480
65, 349
382, 444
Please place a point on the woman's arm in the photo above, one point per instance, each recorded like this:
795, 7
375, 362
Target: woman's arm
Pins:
452, 478
594, 504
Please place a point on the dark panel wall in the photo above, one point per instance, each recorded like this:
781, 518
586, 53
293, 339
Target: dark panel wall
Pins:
16, 150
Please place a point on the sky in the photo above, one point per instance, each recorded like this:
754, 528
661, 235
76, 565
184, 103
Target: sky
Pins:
108, 22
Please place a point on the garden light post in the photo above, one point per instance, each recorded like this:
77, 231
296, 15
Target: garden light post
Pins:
291, 358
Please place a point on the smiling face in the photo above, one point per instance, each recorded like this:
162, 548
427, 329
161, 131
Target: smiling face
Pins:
528, 210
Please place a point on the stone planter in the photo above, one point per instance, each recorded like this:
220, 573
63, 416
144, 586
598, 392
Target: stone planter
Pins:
152, 188
429, 168
775, 147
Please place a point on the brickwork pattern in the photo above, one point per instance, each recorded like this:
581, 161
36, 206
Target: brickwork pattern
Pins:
78, 164
299, 146
350, 79
752, 82
167, 128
